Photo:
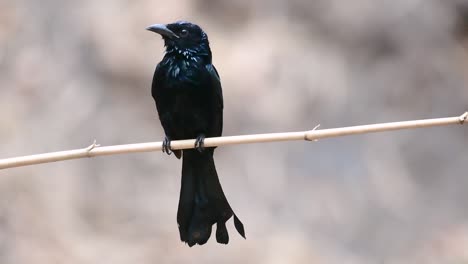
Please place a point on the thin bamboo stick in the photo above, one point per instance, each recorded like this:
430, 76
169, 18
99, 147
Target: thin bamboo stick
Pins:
311, 135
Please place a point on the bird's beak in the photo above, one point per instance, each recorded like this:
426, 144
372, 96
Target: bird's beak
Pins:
162, 30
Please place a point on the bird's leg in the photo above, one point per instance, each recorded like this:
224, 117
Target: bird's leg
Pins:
166, 146
199, 143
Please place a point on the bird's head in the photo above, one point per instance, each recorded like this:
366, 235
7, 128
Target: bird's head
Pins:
183, 37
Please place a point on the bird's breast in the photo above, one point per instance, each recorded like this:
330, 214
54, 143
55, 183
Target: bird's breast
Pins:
182, 70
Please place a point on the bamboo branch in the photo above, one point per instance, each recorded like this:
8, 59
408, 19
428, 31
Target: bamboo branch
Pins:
312, 135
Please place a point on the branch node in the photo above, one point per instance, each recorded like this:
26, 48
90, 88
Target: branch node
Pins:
91, 147
306, 135
463, 117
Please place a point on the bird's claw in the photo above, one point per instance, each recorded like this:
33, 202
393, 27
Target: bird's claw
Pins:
199, 143
166, 146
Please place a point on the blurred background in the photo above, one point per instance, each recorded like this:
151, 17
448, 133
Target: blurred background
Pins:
75, 71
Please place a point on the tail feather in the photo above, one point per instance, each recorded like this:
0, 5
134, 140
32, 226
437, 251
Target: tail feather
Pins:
239, 226
202, 202
222, 235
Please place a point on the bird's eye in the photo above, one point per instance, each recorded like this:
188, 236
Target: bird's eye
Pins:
183, 33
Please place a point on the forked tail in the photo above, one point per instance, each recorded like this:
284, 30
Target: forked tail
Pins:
202, 202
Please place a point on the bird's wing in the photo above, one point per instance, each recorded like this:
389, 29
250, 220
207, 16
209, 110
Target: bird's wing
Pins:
155, 87
161, 100
217, 103
216, 82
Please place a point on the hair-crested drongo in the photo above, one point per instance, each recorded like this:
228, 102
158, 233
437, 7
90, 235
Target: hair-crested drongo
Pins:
187, 91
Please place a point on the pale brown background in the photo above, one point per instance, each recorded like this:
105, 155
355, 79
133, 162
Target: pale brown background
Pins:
75, 71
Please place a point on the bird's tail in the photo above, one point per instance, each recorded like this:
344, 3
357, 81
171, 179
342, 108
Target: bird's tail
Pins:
202, 202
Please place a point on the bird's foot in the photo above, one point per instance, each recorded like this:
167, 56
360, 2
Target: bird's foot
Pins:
199, 143
166, 146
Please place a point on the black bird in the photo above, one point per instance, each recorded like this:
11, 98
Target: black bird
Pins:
188, 96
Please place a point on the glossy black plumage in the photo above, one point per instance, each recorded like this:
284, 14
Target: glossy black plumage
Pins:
188, 96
